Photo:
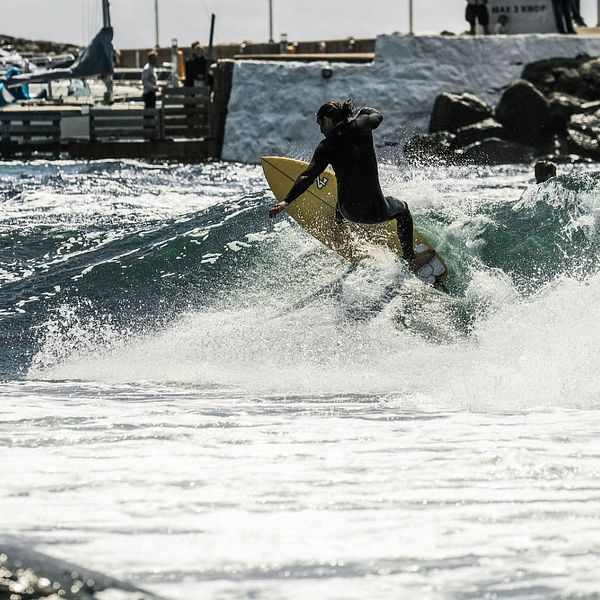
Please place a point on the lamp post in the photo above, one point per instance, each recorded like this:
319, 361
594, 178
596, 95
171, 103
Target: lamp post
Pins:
410, 16
271, 40
156, 23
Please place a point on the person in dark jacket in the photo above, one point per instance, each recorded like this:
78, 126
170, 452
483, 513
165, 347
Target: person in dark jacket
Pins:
195, 66
348, 148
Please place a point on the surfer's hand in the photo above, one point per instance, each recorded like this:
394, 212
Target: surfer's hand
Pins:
277, 208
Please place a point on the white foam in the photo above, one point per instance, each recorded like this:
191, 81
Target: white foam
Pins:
522, 353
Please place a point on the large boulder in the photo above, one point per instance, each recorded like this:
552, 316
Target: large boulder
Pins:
494, 151
579, 76
584, 134
453, 111
589, 86
554, 74
525, 113
476, 132
424, 147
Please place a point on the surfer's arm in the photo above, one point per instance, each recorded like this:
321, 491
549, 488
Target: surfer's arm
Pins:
317, 165
369, 117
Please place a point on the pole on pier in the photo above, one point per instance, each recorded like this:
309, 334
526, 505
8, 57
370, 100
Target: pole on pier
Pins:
208, 75
410, 16
271, 40
211, 36
108, 79
598, 14
156, 41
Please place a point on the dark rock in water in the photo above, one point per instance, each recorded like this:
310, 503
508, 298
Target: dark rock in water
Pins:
494, 151
525, 113
584, 134
424, 146
488, 128
453, 111
27, 574
562, 107
579, 76
554, 74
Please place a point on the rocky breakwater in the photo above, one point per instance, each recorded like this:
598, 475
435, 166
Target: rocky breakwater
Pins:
551, 112
29, 48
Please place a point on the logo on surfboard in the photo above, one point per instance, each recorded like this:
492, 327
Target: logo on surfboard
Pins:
321, 182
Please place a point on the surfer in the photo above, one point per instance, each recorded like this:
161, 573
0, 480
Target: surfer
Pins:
348, 148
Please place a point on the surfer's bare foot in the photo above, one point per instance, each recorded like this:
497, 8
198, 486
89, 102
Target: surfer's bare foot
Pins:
277, 208
420, 259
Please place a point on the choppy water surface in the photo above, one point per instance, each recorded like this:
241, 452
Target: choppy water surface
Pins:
211, 405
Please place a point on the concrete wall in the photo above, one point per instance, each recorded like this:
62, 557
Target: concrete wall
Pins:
272, 105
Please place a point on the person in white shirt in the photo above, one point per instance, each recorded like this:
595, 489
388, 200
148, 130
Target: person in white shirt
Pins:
149, 81
500, 26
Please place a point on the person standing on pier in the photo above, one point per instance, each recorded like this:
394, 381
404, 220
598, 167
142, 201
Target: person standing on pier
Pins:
562, 13
477, 12
576, 13
149, 81
195, 66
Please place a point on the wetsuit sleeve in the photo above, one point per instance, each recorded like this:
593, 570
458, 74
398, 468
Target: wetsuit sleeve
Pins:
317, 165
369, 117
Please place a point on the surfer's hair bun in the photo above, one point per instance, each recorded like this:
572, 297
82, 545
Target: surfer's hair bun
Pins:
337, 111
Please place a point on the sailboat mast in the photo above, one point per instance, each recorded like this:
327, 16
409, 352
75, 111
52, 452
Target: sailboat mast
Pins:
105, 13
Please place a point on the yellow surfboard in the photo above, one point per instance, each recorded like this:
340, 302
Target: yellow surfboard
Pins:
315, 212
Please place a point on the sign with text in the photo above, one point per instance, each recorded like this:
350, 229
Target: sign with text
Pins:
524, 16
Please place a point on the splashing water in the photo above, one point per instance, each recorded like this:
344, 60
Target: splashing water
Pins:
270, 421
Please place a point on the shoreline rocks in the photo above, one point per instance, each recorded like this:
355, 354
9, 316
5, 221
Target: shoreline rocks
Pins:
29, 48
551, 112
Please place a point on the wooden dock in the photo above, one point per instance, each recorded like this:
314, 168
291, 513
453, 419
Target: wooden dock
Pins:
188, 124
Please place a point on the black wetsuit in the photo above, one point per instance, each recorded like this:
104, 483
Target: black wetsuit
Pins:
349, 150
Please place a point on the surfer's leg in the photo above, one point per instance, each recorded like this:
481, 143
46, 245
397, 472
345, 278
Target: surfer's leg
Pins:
404, 225
398, 209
